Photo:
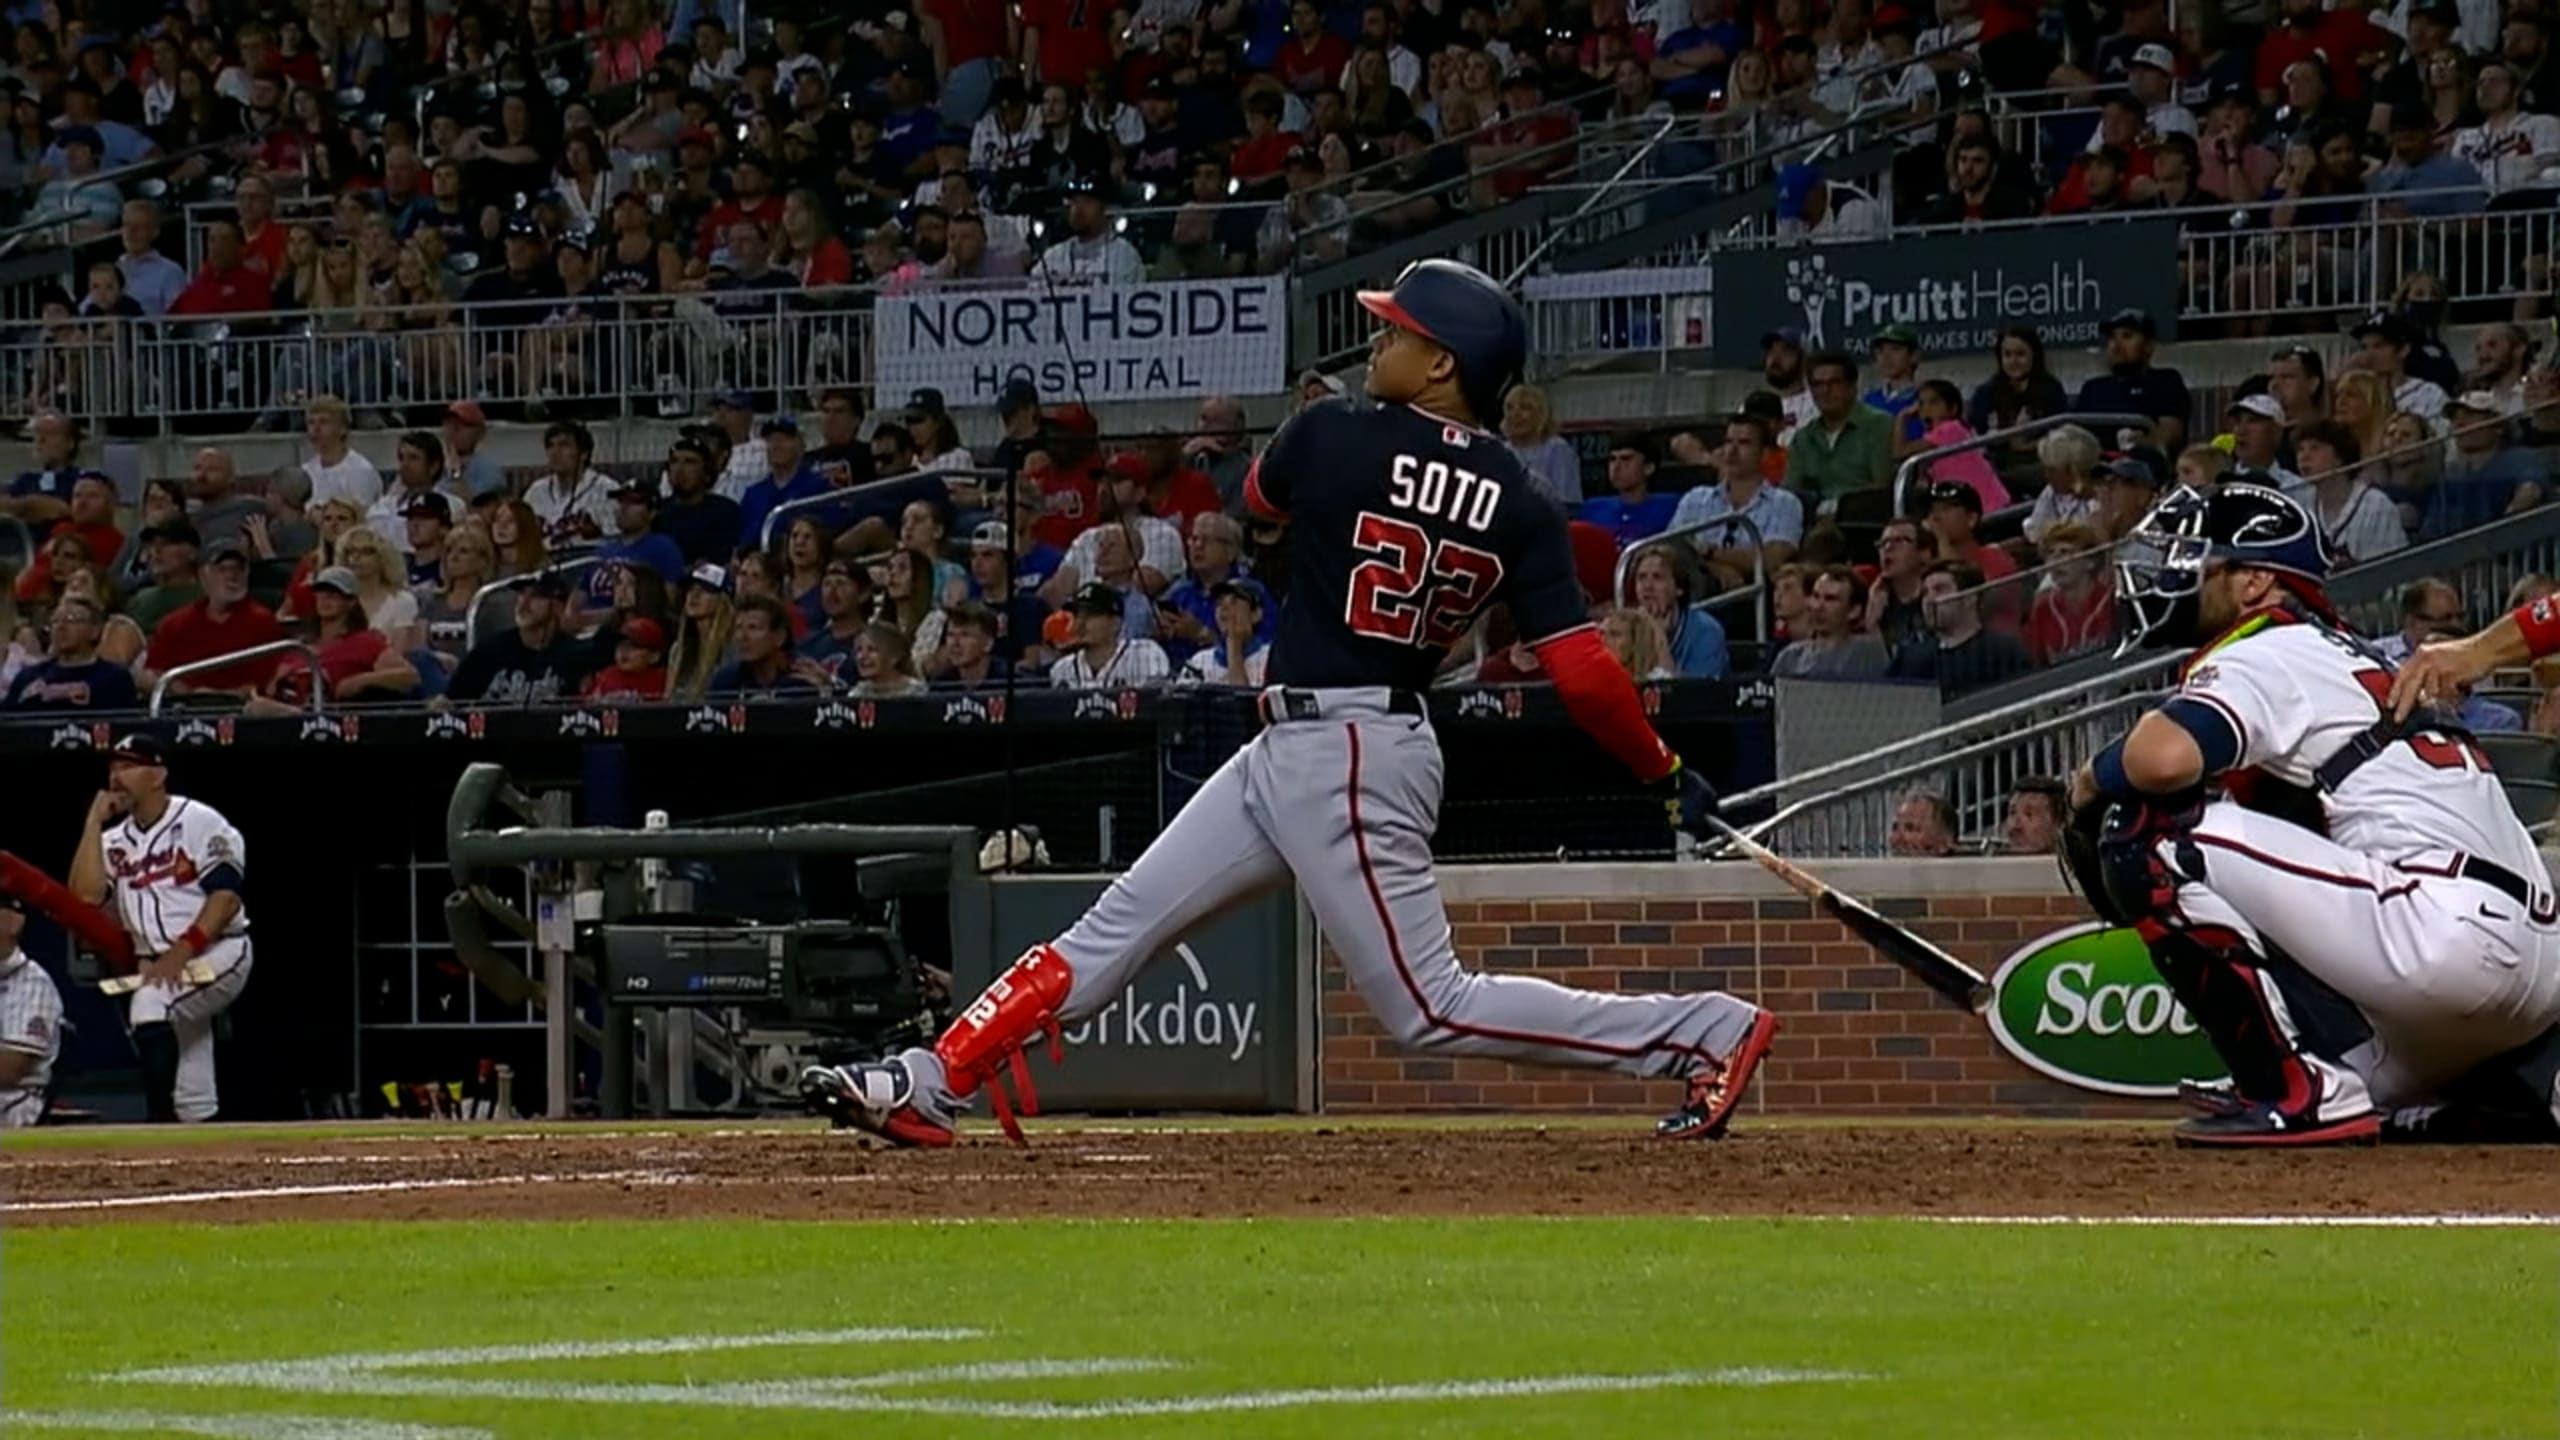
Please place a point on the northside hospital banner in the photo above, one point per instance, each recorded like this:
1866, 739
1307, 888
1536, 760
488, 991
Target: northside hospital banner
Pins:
1161, 340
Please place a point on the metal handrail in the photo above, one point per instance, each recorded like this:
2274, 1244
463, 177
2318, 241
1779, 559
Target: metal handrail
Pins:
479, 600
2228, 208
776, 519
2091, 421
1556, 232
310, 657
2014, 710
1350, 180
1759, 563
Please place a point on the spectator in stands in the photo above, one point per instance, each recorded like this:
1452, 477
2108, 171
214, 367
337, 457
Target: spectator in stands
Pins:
1939, 423
638, 673
226, 284
1221, 450
1529, 428
762, 642
1825, 212
2074, 610
1094, 249
1957, 650
788, 478
417, 472
173, 549
1155, 544
1896, 391
1630, 511
2486, 475
2068, 456
534, 662
2500, 355
1187, 615
2386, 340
2127, 487
1977, 191
1103, 657
2135, 386
2429, 180
91, 520
2430, 610
844, 607
2033, 824
2359, 521
517, 533
223, 621
72, 676
1312, 222
1663, 583
2020, 389
1904, 552
382, 584
1924, 826
571, 498
2365, 408
1847, 446
1954, 514
2298, 379
358, 660
1830, 648
336, 468
2515, 152
1742, 490
2257, 437
969, 660
2202, 467
41, 497
636, 538
444, 606
153, 279
1240, 645
883, 664
706, 526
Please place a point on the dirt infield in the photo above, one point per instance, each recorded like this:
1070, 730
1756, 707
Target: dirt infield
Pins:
1206, 1171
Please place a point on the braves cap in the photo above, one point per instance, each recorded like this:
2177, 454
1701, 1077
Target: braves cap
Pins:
140, 750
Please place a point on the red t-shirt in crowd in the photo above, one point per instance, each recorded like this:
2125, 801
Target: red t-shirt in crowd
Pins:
1261, 158
341, 660
2339, 37
264, 251
829, 264
1070, 501
1075, 37
1185, 494
105, 543
615, 683
224, 292
2058, 628
1307, 68
1543, 132
190, 633
971, 29
715, 230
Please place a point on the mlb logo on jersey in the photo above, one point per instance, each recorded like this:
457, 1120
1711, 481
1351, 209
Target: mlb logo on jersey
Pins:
1453, 436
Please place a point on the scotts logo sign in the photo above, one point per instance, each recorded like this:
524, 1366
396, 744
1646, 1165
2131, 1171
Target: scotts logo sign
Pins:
2085, 1006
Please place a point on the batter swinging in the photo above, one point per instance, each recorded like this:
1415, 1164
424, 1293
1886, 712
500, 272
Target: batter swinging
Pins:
1409, 520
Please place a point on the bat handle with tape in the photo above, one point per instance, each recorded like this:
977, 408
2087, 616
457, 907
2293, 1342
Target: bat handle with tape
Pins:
196, 973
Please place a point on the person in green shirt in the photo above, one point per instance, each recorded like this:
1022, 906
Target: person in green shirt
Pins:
1847, 445
174, 582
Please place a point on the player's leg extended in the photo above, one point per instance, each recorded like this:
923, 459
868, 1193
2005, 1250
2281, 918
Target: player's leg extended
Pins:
191, 1013
2288, 1038
1210, 858
1352, 804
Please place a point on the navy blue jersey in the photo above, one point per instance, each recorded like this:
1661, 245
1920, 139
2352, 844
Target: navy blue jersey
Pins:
1403, 528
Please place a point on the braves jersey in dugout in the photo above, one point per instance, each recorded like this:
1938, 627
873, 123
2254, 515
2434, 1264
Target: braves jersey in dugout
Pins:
2298, 693
1403, 528
159, 873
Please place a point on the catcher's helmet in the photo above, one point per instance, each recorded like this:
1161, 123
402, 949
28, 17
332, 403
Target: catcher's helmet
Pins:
2161, 568
1462, 310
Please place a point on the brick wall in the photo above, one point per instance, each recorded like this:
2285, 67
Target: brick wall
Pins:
1861, 1037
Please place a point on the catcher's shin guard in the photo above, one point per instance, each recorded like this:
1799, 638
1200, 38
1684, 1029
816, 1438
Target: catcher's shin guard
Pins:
2278, 1029
1018, 1008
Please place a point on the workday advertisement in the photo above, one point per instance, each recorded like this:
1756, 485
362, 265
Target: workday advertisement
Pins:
1959, 289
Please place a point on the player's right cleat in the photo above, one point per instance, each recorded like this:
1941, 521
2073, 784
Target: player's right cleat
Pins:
878, 1099
1714, 1093
2260, 1126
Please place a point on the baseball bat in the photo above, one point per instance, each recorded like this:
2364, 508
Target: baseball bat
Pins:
1960, 984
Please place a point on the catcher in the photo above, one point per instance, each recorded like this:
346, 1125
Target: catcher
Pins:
2343, 900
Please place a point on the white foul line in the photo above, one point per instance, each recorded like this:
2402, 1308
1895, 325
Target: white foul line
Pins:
2456, 1221
235, 1427
349, 1187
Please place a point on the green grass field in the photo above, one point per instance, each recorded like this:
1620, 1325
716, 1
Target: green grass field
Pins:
1723, 1328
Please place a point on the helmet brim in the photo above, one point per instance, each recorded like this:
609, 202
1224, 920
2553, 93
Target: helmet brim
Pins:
1382, 303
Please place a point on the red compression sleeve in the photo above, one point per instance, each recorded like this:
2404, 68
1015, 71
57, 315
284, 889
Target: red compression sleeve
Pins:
1602, 700
2540, 622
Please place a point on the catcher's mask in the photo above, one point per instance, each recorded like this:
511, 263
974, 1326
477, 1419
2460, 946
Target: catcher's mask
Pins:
2162, 564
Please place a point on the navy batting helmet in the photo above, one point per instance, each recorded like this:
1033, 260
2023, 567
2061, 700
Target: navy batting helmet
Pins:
1460, 309
2161, 568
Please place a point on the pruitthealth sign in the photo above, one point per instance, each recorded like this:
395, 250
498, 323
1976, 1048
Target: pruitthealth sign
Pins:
1155, 341
1959, 290
2086, 1006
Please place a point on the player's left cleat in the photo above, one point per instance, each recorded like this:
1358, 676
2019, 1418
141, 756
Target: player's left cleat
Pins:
2258, 1126
878, 1099
1714, 1093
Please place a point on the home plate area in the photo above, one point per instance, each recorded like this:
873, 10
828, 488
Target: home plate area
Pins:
2058, 1170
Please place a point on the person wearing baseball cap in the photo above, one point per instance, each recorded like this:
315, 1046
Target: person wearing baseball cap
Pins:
639, 668
30, 1023
224, 620
2152, 77
704, 523
2386, 337
2132, 385
635, 540
2486, 476
2127, 487
1782, 353
1896, 352
536, 662
1103, 657
1238, 652
2257, 436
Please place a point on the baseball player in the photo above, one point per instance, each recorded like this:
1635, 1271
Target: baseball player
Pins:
2343, 900
173, 868
30, 1025
1408, 520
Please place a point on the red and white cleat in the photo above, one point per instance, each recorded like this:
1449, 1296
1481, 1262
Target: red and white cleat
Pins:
1713, 1094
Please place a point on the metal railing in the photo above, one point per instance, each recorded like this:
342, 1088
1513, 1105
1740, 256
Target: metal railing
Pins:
2091, 421
780, 517
481, 598
1757, 592
310, 658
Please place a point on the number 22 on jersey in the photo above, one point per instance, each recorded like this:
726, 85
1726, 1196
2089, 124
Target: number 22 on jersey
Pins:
1409, 589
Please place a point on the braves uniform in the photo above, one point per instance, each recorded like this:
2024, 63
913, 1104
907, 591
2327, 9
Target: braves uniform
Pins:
31, 1024
2426, 905
159, 876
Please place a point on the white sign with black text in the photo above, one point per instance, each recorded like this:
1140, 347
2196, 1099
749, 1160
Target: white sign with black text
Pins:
1157, 341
